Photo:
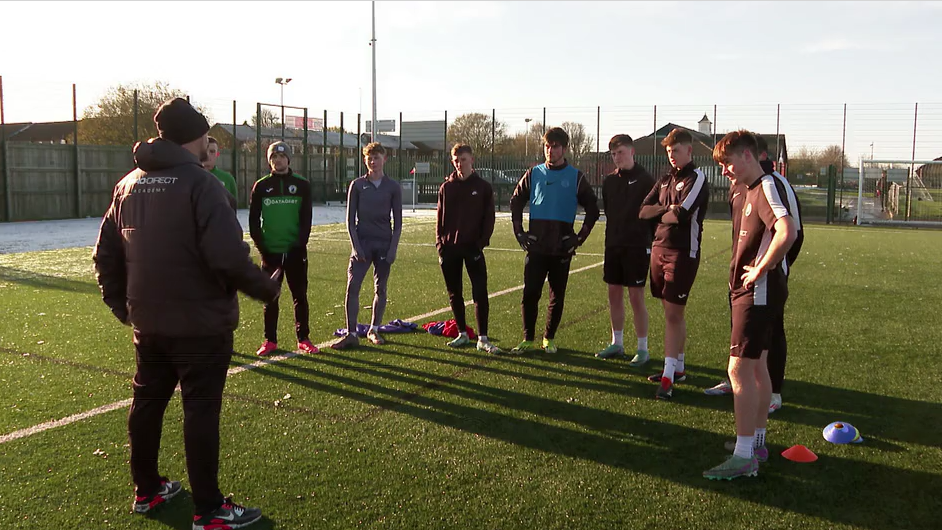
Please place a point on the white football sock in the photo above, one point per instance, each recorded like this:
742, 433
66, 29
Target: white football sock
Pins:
744, 446
670, 365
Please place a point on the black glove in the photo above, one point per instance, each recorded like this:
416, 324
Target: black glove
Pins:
571, 243
526, 240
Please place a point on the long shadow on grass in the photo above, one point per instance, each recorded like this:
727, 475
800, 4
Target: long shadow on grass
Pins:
886, 417
835, 489
45, 281
615, 375
883, 417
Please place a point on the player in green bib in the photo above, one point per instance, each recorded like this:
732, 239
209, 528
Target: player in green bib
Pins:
209, 164
280, 225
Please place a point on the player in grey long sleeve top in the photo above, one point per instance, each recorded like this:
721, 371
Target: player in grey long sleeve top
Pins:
369, 205
371, 200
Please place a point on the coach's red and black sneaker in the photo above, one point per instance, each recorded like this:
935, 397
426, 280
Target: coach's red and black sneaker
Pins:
168, 490
229, 516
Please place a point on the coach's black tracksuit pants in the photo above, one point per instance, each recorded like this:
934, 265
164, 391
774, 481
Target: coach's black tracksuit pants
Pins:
199, 365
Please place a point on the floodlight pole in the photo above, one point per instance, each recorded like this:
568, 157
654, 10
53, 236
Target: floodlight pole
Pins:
373, 45
282, 82
527, 141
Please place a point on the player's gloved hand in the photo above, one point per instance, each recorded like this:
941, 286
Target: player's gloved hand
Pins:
571, 243
526, 240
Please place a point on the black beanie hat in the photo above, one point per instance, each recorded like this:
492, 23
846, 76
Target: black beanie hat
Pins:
177, 121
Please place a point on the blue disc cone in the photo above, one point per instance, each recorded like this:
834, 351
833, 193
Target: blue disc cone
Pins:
841, 432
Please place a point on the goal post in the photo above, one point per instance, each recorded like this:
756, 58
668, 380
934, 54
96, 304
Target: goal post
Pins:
899, 192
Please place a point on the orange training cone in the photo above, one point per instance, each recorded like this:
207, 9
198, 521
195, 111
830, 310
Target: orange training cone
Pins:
799, 453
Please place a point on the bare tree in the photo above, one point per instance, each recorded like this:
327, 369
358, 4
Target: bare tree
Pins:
832, 155
110, 121
527, 142
581, 142
479, 131
268, 119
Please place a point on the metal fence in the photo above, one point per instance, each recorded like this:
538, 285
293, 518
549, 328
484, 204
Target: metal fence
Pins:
53, 164
897, 191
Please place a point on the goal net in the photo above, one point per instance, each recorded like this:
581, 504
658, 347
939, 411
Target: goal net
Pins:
907, 192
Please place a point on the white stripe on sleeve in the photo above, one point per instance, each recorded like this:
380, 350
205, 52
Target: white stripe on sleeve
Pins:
695, 190
771, 195
792, 199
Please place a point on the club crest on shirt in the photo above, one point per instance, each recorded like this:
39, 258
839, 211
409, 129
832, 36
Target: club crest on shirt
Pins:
292, 189
748, 210
679, 186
